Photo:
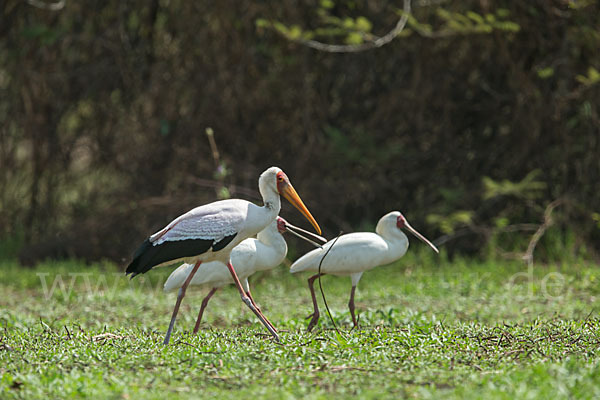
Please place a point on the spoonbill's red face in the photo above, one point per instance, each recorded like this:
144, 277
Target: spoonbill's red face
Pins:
281, 225
285, 188
400, 221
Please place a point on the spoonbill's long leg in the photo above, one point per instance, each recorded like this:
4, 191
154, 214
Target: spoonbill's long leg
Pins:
202, 307
351, 306
315, 315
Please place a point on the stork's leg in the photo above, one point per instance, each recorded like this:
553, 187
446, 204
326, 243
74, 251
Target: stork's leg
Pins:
180, 297
248, 302
351, 307
315, 315
204, 304
259, 310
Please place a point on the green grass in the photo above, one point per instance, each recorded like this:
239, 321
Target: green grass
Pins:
429, 329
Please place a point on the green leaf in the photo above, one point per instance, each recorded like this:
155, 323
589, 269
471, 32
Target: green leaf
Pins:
450, 223
502, 12
262, 23
281, 28
354, 38
328, 4
507, 26
501, 222
456, 25
443, 14
483, 28
224, 193
545, 73
363, 24
294, 32
579, 4
462, 19
348, 23
475, 17
593, 76
596, 218
528, 188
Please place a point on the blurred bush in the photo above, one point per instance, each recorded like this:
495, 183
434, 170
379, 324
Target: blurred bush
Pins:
104, 107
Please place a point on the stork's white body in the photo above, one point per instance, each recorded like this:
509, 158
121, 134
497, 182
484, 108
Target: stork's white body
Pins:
210, 232
265, 252
217, 220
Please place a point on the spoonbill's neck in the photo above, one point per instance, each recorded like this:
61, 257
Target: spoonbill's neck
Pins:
270, 235
273, 248
397, 244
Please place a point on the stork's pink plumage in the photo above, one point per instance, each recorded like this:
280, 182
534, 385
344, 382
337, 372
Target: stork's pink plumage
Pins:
211, 231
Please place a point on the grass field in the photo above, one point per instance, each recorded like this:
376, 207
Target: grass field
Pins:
430, 328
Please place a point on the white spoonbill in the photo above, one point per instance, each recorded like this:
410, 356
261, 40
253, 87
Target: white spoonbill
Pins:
265, 252
211, 231
355, 253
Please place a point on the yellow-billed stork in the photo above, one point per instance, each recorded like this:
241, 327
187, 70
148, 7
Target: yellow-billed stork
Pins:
210, 232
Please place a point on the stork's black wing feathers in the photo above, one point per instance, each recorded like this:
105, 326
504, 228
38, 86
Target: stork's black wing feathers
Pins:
149, 255
221, 244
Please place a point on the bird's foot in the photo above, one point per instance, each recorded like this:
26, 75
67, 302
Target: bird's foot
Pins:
262, 319
266, 319
276, 339
314, 318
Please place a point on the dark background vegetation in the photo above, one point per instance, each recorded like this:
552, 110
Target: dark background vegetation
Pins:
471, 122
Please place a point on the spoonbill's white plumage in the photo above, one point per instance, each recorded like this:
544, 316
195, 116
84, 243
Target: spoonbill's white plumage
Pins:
354, 253
211, 231
265, 252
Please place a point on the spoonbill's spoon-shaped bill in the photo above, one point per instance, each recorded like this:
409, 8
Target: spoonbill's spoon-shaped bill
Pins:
403, 223
310, 237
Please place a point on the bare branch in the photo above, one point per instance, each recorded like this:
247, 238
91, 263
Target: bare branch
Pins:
59, 5
528, 256
355, 48
213, 146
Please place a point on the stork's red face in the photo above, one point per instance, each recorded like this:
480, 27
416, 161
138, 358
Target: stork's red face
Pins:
282, 181
285, 188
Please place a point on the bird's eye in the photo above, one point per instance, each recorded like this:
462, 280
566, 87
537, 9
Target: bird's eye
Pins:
280, 178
